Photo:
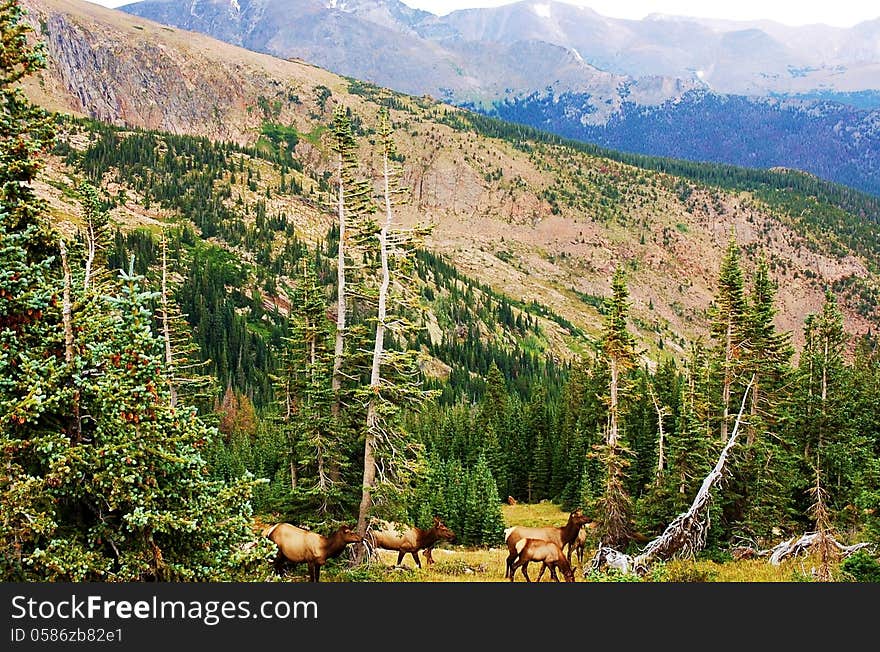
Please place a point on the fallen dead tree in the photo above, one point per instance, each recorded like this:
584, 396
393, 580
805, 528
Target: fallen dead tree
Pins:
802, 545
686, 534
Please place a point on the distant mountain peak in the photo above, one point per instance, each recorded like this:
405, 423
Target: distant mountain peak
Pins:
541, 9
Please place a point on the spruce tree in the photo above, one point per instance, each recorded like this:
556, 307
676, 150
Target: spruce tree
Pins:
483, 523
103, 480
822, 426
618, 347
352, 199
304, 400
728, 327
763, 468
26, 131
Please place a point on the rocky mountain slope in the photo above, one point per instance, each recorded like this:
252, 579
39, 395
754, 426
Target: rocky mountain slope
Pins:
807, 97
742, 58
541, 221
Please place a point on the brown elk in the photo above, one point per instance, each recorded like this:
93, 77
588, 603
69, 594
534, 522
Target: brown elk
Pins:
547, 552
296, 545
561, 536
577, 547
407, 539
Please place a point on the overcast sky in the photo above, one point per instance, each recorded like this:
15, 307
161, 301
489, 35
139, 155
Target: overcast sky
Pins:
841, 13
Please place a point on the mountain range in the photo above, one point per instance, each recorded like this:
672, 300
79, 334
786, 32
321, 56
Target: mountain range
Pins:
539, 220
664, 85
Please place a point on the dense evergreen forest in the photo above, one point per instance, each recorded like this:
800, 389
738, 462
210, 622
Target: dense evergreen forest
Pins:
222, 368
704, 126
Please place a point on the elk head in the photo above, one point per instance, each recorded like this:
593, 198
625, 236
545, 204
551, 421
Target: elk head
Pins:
443, 532
348, 535
579, 518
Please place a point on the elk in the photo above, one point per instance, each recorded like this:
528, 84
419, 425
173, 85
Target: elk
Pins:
408, 539
547, 552
577, 546
296, 545
561, 536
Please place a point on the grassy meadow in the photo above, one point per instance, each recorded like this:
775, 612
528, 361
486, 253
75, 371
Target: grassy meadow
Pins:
458, 564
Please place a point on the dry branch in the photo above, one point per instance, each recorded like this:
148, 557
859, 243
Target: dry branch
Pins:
795, 547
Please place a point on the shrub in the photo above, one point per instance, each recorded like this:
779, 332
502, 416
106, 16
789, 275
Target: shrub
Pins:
861, 567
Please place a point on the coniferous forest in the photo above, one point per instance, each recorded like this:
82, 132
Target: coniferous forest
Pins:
166, 392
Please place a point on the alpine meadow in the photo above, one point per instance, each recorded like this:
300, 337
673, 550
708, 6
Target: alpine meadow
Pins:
265, 322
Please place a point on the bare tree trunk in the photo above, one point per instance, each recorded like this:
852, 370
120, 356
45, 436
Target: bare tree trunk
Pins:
91, 248
336, 383
750, 432
65, 306
725, 390
661, 412
373, 425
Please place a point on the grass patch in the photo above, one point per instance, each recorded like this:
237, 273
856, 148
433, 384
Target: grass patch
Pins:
461, 564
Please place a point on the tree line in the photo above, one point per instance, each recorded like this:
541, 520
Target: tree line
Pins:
144, 404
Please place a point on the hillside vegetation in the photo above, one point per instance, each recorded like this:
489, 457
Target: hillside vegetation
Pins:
348, 303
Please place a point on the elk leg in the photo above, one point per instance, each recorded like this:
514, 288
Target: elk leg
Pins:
541, 574
553, 573
525, 574
400, 554
415, 555
428, 558
509, 570
513, 570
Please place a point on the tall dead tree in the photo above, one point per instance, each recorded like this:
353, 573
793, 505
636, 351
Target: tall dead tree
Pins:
373, 425
394, 372
343, 145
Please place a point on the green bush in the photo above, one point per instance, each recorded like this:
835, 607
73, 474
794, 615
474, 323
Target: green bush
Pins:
861, 567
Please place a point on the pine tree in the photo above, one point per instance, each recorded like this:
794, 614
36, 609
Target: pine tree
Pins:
822, 425
689, 448
728, 326
483, 522
304, 396
126, 498
762, 468
618, 347
351, 203
103, 480
188, 376
26, 132
96, 232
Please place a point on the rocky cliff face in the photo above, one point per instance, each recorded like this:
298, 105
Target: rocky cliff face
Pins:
135, 72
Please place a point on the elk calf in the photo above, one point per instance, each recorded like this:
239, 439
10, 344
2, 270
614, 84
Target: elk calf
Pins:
561, 536
548, 553
577, 547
